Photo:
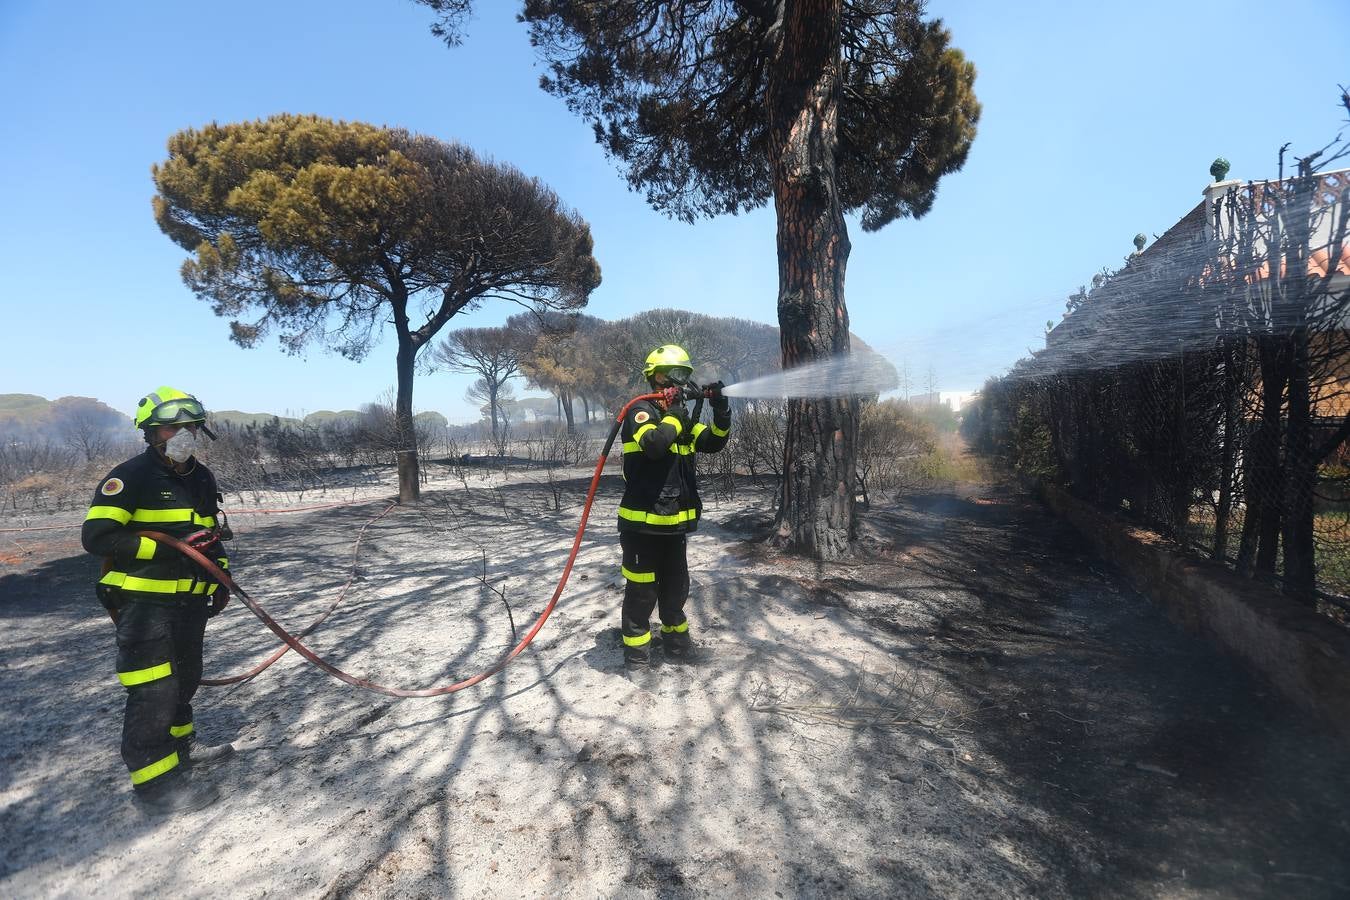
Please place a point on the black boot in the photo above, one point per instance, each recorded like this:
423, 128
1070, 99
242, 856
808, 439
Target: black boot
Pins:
678, 646
637, 657
194, 754
174, 792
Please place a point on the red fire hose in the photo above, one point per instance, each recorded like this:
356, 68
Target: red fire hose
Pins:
284, 648
293, 642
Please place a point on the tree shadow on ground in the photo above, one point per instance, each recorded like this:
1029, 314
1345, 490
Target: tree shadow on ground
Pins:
1166, 765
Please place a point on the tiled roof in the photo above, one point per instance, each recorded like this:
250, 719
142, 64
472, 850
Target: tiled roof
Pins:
1320, 262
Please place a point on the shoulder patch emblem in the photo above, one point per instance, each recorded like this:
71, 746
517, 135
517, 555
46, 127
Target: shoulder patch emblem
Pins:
112, 486
641, 416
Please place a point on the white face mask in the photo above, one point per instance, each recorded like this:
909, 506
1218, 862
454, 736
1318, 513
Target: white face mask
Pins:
182, 446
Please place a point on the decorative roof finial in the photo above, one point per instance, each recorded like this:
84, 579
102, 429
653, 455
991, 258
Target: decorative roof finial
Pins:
1219, 168
1139, 241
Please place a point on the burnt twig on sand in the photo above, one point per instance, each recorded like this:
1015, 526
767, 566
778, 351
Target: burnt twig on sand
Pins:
904, 702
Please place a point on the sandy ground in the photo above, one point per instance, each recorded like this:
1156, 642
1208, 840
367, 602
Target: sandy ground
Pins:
971, 708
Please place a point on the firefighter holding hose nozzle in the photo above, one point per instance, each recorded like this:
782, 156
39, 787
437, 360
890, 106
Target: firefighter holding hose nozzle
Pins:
660, 504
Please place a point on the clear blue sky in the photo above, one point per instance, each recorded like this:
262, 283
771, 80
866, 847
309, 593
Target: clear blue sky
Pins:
1100, 121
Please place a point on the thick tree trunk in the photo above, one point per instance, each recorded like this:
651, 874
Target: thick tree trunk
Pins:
816, 507
406, 437
492, 410
565, 398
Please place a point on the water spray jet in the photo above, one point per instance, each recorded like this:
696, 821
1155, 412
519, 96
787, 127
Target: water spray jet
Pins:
852, 374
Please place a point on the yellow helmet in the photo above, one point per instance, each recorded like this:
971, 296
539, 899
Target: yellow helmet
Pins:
670, 360
168, 406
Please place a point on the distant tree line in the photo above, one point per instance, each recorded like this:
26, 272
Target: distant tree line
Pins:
83, 426
52, 453
584, 360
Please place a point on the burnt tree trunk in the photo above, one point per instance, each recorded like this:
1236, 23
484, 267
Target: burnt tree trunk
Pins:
493, 389
565, 399
816, 506
405, 437
405, 447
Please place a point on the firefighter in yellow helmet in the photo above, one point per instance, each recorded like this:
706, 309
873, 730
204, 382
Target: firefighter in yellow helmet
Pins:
158, 599
660, 505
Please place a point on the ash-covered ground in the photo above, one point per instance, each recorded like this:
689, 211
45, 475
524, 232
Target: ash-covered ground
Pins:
972, 707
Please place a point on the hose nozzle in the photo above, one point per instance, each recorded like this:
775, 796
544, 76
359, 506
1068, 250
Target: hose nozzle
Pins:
680, 393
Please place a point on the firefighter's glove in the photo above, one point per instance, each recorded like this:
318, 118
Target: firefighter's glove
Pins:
219, 600
681, 415
720, 402
206, 542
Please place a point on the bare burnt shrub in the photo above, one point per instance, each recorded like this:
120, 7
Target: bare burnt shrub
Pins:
758, 435
893, 443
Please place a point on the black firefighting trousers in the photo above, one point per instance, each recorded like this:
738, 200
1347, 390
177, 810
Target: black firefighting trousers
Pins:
656, 574
159, 661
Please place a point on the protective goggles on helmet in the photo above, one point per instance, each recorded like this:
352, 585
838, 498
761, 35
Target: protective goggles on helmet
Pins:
171, 412
675, 374
187, 411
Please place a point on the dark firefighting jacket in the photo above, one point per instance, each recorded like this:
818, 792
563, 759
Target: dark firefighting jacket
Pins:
661, 484
144, 494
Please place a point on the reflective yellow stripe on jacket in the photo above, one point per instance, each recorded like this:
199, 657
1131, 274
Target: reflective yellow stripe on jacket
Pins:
634, 446
677, 449
170, 516
156, 585
150, 516
116, 513
637, 515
